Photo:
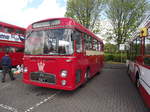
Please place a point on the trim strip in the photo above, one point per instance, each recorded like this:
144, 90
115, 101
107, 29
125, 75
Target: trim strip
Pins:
145, 82
49, 56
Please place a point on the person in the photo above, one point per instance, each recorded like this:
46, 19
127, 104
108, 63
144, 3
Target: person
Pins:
6, 67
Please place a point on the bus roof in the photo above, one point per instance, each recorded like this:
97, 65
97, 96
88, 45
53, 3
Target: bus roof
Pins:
11, 26
70, 23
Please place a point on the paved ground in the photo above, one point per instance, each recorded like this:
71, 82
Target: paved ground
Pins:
111, 91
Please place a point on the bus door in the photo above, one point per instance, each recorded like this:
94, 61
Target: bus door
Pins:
78, 45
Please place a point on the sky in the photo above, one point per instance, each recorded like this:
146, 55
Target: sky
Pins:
24, 12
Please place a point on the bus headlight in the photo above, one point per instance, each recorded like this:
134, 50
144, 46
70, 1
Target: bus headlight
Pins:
25, 69
64, 73
63, 82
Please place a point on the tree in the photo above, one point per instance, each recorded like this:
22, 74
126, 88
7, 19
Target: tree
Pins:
110, 48
86, 12
125, 16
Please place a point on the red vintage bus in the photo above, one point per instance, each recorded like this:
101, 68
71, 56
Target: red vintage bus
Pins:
12, 41
60, 53
139, 62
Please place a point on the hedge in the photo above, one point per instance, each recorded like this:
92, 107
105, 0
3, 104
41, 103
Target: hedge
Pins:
115, 57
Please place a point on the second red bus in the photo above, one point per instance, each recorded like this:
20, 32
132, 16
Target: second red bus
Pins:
139, 62
12, 41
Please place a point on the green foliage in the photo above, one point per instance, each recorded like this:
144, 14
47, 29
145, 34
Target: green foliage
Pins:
125, 15
115, 57
111, 48
86, 12
109, 57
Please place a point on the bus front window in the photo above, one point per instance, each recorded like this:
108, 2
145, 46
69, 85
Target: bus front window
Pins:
49, 42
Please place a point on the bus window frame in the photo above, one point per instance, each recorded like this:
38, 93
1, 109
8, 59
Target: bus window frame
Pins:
75, 41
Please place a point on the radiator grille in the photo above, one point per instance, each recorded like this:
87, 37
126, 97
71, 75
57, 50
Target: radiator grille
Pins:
43, 77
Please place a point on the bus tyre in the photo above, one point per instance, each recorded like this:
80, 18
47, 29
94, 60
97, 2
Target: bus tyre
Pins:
128, 71
87, 74
137, 81
99, 72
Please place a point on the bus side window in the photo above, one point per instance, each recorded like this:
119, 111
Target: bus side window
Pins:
147, 50
84, 39
100, 46
8, 30
19, 49
1, 28
6, 49
88, 43
138, 46
20, 32
95, 44
147, 45
135, 48
9, 49
77, 36
97, 48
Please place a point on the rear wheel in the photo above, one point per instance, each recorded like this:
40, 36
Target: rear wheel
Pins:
137, 81
128, 71
87, 74
86, 77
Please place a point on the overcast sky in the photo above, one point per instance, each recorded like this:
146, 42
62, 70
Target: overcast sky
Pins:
24, 12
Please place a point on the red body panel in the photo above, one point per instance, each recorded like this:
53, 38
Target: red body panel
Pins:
145, 95
55, 64
142, 90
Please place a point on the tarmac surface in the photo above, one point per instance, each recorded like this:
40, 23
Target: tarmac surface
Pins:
110, 91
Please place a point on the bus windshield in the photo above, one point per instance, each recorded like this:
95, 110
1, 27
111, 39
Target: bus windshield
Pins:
49, 42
